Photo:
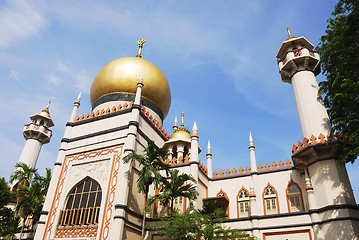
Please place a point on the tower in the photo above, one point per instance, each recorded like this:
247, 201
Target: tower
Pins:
36, 134
327, 184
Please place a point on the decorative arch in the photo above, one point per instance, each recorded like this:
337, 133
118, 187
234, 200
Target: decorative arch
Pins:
294, 197
225, 208
270, 200
243, 203
82, 205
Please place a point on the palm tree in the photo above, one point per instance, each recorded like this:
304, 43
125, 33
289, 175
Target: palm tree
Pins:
30, 190
177, 186
22, 175
151, 162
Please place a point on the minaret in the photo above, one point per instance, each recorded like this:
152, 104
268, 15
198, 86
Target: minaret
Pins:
252, 154
76, 107
36, 134
175, 127
209, 160
298, 65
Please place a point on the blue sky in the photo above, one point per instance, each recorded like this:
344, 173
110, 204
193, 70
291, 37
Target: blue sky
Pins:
218, 56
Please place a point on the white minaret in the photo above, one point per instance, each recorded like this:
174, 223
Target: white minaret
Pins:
298, 65
76, 107
209, 160
36, 134
175, 127
252, 154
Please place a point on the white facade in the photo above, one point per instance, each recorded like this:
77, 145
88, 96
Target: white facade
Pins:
309, 197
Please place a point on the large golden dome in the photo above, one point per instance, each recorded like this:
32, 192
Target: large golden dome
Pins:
122, 75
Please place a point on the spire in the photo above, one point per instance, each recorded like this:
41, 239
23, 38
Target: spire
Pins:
139, 89
289, 35
252, 154
78, 100
209, 148
251, 140
140, 45
209, 160
175, 127
195, 129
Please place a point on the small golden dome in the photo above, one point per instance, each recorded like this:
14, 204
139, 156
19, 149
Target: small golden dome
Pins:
181, 133
122, 75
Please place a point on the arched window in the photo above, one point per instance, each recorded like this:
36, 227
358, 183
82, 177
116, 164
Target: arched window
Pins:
243, 203
270, 200
294, 197
224, 203
82, 205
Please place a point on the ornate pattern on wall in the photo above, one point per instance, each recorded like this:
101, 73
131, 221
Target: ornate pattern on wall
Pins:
116, 151
76, 232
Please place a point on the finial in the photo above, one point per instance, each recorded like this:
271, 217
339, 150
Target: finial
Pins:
195, 129
209, 147
78, 99
175, 127
141, 78
289, 35
250, 140
47, 107
182, 122
140, 45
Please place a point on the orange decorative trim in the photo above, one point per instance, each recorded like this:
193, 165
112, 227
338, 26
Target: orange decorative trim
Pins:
76, 232
301, 195
309, 188
120, 108
249, 195
268, 167
314, 140
288, 232
276, 196
115, 150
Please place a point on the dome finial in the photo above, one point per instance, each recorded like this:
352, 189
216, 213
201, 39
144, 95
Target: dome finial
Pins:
182, 121
47, 107
289, 35
140, 45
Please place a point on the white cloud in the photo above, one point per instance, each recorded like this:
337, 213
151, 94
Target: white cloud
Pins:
19, 20
14, 75
70, 75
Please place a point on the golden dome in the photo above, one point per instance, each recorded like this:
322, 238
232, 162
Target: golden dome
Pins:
181, 133
122, 75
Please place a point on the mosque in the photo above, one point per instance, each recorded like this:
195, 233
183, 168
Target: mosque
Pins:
93, 193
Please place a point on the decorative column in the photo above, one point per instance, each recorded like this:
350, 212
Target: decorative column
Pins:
76, 107
252, 154
125, 168
209, 160
252, 193
175, 127
298, 65
194, 158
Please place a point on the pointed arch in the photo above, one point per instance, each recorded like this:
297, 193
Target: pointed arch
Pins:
243, 203
82, 205
294, 197
270, 200
225, 208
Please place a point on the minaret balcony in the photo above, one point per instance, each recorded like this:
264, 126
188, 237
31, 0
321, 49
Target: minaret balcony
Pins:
38, 132
296, 60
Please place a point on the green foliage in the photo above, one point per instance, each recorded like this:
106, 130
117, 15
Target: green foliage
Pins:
198, 225
151, 162
339, 50
9, 223
30, 190
179, 185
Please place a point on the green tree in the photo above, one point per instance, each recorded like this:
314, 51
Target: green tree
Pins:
199, 225
151, 162
179, 185
339, 50
9, 222
22, 175
30, 190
